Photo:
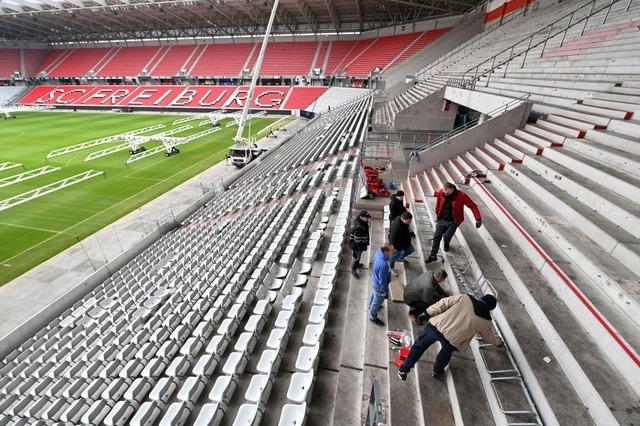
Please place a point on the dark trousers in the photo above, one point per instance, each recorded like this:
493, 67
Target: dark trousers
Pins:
417, 309
428, 337
444, 229
355, 258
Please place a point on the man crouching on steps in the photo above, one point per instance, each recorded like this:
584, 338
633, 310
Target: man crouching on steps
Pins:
380, 277
454, 322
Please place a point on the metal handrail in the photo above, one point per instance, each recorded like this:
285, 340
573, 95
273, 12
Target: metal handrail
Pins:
477, 38
477, 74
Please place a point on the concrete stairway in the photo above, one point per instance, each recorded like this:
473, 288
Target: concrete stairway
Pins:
561, 209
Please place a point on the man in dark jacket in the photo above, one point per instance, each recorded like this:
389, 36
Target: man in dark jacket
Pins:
400, 236
359, 240
396, 205
450, 214
423, 292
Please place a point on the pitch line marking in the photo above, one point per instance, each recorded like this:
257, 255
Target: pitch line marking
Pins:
31, 227
110, 207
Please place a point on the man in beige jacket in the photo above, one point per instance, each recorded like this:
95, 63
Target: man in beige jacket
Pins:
454, 322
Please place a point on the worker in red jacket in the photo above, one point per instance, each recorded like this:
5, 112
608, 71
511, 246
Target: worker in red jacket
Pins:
449, 210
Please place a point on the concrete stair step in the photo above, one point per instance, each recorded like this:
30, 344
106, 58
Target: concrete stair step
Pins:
531, 135
572, 234
446, 173
477, 162
457, 171
613, 157
626, 90
616, 180
523, 145
620, 106
614, 140
500, 154
585, 306
570, 122
426, 184
634, 84
599, 198
607, 112
618, 97
438, 178
626, 127
509, 148
489, 159
560, 130
544, 108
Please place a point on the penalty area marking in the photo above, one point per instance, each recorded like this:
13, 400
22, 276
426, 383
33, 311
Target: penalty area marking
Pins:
112, 206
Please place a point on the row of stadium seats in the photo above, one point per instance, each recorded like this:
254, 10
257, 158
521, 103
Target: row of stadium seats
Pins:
215, 316
347, 57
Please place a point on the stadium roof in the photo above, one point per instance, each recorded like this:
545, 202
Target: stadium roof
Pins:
63, 21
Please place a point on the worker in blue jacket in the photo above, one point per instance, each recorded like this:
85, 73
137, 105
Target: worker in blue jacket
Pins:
380, 277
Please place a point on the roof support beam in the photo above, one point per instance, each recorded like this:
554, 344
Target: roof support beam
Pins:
333, 14
420, 5
308, 14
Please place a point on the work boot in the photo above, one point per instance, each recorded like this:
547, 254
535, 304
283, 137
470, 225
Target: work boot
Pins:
402, 375
446, 247
431, 259
359, 265
377, 321
355, 275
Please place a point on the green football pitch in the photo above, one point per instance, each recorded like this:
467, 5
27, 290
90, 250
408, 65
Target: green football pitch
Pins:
40, 228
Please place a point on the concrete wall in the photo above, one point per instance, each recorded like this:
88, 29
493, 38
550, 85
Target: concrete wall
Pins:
476, 136
477, 101
426, 115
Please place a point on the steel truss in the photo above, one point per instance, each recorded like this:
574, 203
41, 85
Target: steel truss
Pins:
108, 139
169, 143
48, 189
9, 165
27, 175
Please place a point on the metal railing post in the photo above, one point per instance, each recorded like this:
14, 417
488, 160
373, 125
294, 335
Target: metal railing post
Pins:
544, 46
586, 21
506, 65
566, 30
490, 71
606, 15
527, 51
626, 9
